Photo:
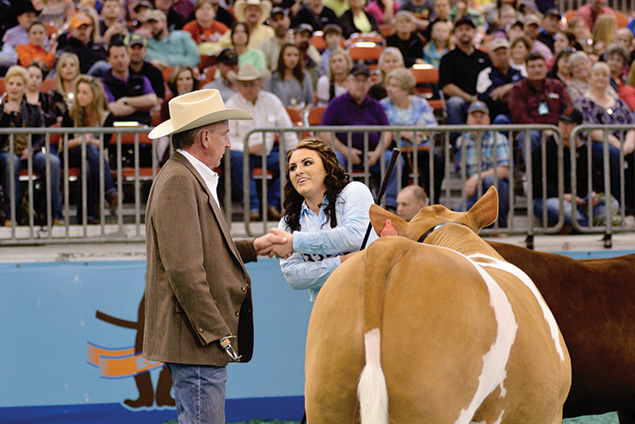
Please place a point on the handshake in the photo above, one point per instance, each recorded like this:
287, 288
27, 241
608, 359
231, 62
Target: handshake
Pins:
275, 243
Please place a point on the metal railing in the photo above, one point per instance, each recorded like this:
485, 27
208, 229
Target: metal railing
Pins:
624, 6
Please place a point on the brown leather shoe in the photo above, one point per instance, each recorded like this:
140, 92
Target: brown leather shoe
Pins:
273, 214
254, 216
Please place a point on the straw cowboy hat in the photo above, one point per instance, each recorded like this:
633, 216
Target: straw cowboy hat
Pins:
241, 5
249, 72
196, 109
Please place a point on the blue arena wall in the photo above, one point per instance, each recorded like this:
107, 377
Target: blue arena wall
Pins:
48, 324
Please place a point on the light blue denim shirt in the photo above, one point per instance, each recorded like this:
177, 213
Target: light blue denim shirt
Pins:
317, 246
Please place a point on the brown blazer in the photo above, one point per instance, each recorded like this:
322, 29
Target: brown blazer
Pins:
197, 288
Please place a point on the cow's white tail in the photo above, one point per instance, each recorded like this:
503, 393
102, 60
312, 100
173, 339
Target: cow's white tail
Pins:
371, 390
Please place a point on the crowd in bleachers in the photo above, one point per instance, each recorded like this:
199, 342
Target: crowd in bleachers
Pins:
383, 62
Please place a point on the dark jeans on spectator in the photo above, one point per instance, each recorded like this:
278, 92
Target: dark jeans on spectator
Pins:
273, 192
423, 165
503, 198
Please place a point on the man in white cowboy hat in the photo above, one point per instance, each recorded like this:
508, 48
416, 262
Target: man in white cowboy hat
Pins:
267, 111
255, 13
198, 311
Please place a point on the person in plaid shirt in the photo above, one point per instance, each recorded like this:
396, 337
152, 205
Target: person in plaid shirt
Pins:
492, 166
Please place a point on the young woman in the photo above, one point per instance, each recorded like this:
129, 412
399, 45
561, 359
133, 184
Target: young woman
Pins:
67, 71
325, 216
383, 11
336, 82
240, 38
603, 33
36, 97
90, 109
16, 112
563, 40
560, 69
439, 43
290, 82
582, 35
519, 49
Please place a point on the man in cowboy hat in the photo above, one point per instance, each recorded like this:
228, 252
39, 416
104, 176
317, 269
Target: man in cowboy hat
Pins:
267, 111
255, 13
198, 312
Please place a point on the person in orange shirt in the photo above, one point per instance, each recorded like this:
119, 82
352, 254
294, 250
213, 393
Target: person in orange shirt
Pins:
34, 49
205, 30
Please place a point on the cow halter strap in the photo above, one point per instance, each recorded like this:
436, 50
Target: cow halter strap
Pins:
436, 227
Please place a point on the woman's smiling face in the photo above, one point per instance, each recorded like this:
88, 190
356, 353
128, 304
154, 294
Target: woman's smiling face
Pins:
307, 173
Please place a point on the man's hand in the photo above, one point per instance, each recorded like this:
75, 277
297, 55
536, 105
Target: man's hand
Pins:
470, 185
374, 156
283, 250
264, 244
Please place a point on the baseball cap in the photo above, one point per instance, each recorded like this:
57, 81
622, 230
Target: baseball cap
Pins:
360, 69
157, 15
554, 13
228, 57
332, 29
498, 43
79, 20
533, 20
134, 39
478, 106
464, 21
303, 28
143, 3
278, 9
572, 115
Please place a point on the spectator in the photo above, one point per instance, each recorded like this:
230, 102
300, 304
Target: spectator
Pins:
603, 33
383, 11
599, 107
34, 49
496, 81
580, 65
439, 43
89, 109
310, 56
290, 83
173, 19
205, 30
254, 13
516, 30
240, 43
561, 41
16, 112
461, 10
337, 6
581, 32
571, 118
333, 39
356, 20
440, 13
227, 61
336, 82
315, 14
110, 23
410, 200
57, 12
520, 48
280, 23
627, 92
532, 31
422, 9
169, 48
357, 108
625, 37
136, 44
405, 39
591, 11
25, 14
506, 17
36, 97
267, 111
142, 11
560, 69
130, 97
390, 59
550, 27
404, 108
485, 155
66, 72
616, 56
222, 14
79, 40
537, 100
459, 70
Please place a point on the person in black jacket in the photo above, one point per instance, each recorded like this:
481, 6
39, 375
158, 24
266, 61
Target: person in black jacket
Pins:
79, 40
356, 20
315, 14
406, 39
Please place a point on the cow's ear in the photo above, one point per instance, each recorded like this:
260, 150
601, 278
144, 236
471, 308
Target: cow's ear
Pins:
378, 217
485, 210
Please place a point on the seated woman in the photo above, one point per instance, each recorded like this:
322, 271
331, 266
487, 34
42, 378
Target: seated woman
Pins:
390, 59
560, 69
90, 109
598, 107
36, 97
67, 71
563, 40
16, 112
325, 216
519, 49
404, 108
336, 82
580, 65
205, 30
356, 20
240, 39
290, 82
439, 43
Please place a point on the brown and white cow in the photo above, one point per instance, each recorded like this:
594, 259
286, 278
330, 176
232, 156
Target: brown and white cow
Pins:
594, 304
443, 331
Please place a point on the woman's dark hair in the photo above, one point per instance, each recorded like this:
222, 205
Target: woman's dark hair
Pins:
565, 53
335, 181
298, 71
570, 37
234, 25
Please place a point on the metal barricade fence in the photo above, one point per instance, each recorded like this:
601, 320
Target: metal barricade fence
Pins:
126, 222
623, 6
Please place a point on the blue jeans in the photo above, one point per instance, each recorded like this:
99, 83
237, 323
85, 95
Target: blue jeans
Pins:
503, 198
553, 208
39, 166
273, 163
393, 184
457, 110
199, 391
597, 152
